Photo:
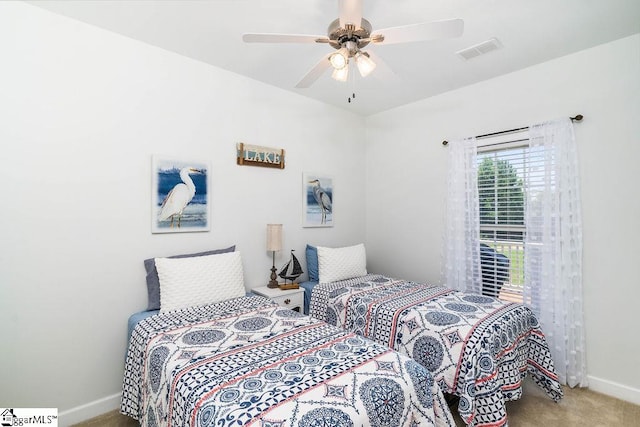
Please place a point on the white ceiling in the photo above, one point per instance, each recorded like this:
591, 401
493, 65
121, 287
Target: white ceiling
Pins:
531, 31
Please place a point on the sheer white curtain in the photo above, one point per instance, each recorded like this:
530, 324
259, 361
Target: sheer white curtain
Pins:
553, 247
462, 224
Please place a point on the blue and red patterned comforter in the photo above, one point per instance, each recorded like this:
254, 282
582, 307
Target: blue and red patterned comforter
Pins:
478, 348
248, 361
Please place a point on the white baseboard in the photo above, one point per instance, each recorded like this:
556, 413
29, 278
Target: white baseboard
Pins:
616, 390
89, 410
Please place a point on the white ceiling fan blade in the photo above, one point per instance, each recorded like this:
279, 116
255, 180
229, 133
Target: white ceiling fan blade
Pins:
383, 71
315, 73
350, 12
283, 38
419, 32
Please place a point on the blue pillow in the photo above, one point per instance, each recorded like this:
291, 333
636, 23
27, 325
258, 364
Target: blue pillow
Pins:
153, 282
312, 263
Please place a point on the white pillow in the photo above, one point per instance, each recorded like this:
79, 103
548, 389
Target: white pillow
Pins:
189, 282
341, 263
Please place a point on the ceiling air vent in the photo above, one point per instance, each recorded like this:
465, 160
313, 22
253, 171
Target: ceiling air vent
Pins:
479, 49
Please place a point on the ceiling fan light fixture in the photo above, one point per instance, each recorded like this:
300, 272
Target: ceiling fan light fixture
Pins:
339, 59
340, 74
365, 64
350, 33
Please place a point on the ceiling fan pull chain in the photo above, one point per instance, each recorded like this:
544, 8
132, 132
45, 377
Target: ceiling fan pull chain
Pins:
351, 89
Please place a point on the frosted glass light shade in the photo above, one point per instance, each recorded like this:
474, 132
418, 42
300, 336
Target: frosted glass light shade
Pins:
365, 64
340, 59
341, 74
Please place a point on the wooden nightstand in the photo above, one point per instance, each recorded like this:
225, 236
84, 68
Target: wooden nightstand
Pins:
292, 299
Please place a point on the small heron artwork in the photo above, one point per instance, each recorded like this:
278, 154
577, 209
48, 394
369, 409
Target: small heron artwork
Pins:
181, 201
179, 197
317, 201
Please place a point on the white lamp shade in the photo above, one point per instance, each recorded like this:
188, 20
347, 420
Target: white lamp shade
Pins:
274, 237
365, 64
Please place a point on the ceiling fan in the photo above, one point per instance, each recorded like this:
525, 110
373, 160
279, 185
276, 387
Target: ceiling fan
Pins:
350, 33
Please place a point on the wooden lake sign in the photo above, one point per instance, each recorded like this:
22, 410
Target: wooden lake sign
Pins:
255, 155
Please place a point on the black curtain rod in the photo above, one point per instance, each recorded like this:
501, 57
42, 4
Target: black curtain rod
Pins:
577, 118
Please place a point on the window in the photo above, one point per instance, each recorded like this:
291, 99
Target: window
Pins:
532, 250
503, 174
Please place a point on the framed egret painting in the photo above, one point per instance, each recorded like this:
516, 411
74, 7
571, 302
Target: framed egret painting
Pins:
180, 200
317, 200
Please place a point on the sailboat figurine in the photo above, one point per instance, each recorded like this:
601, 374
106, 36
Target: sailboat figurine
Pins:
291, 271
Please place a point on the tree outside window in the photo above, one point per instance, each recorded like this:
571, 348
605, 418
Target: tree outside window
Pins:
501, 198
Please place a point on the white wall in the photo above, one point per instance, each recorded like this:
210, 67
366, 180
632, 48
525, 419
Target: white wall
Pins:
82, 111
406, 184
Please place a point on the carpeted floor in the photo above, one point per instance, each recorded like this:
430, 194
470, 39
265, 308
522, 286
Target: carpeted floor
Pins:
579, 407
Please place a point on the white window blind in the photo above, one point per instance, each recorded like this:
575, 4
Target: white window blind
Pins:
506, 171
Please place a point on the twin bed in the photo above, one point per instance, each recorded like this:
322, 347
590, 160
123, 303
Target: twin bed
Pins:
375, 351
478, 348
245, 360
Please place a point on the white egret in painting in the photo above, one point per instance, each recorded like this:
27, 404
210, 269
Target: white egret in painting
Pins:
322, 198
179, 197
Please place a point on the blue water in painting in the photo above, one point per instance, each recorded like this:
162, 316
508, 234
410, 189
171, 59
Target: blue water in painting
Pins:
195, 213
168, 179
